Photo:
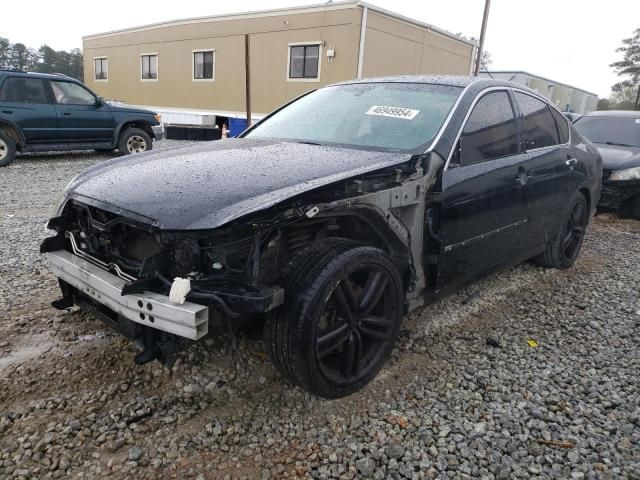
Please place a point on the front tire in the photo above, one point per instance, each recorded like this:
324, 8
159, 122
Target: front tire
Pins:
563, 251
7, 149
134, 140
340, 320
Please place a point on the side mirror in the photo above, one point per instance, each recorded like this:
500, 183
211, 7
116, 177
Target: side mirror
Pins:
99, 101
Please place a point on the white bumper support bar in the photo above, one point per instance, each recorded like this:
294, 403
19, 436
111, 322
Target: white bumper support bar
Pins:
188, 320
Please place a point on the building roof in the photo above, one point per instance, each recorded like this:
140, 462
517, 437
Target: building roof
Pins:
283, 11
522, 72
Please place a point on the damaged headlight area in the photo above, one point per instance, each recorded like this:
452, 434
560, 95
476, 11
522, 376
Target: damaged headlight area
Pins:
230, 268
625, 175
233, 271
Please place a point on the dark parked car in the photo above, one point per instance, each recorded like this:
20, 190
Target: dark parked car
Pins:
616, 133
44, 112
329, 220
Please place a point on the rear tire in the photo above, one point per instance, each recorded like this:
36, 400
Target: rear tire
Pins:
635, 207
7, 149
562, 252
343, 308
134, 140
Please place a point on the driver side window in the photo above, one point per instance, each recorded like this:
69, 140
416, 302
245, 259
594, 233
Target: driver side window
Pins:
490, 131
69, 93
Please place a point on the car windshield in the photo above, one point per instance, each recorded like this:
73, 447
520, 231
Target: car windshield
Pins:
374, 116
623, 131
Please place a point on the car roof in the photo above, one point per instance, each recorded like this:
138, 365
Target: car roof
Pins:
614, 113
450, 80
23, 74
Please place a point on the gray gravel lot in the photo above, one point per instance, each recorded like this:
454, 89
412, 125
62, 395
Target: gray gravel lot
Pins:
448, 405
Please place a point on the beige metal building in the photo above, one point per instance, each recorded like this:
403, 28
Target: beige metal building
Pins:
199, 64
566, 97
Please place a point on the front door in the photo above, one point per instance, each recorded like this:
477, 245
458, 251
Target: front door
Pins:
484, 208
81, 119
24, 102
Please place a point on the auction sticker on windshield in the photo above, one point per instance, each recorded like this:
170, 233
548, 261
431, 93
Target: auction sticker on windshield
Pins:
394, 112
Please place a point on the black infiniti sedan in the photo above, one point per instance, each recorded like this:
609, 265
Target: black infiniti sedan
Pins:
327, 221
616, 133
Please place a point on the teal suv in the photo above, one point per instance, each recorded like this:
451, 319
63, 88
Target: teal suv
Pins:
44, 112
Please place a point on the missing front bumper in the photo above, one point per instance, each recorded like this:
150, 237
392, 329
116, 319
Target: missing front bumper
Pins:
189, 320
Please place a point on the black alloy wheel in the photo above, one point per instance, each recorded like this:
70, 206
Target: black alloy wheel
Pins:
356, 324
343, 308
574, 231
563, 251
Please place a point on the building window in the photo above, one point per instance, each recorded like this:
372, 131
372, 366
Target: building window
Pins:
203, 64
101, 68
304, 62
149, 66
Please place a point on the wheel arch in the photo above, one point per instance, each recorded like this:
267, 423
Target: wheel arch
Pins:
14, 132
140, 123
587, 195
371, 228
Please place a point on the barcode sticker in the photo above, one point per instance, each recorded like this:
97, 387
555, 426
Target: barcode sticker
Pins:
394, 112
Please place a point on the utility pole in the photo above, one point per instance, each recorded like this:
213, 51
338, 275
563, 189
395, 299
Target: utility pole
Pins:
485, 17
247, 77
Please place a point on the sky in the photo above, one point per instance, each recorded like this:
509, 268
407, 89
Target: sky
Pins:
569, 41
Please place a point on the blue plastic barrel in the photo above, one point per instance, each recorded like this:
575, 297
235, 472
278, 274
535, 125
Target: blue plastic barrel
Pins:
237, 126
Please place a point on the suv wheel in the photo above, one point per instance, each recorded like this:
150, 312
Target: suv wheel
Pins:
340, 320
564, 249
134, 140
7, 149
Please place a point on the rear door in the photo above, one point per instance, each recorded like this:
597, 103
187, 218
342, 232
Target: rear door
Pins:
484, 207
81, 119
553, 178
25, 102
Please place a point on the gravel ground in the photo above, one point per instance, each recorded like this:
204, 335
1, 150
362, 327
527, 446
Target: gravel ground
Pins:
464, 395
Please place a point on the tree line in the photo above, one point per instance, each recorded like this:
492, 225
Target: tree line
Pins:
43, 60
626, 94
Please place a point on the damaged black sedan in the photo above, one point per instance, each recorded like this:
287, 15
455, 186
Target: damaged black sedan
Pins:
327, 221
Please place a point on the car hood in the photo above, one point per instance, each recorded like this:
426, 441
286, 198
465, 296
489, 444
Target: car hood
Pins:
619, 158
210, 184
139, 111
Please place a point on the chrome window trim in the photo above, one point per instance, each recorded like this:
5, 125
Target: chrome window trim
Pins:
468, 114
436, 139
477, 99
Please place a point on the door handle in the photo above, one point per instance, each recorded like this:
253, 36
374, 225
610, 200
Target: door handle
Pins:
571, 162
8, 112
523, 175
67, 114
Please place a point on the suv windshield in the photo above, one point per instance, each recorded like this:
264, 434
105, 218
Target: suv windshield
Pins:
623, 131
375, 116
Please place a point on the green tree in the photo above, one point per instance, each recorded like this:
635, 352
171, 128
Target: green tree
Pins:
5, 52
67, 63
48, 58
629, 67
22, 58
603, 104
76, 64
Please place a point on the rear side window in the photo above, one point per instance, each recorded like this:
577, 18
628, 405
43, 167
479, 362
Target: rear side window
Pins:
23, 90
490, 131
539, 125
